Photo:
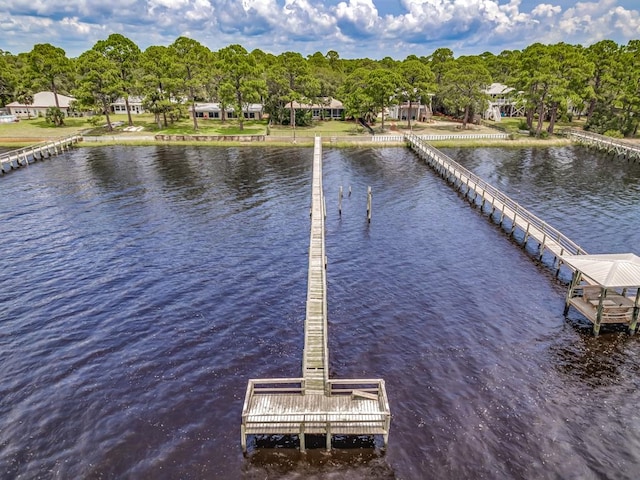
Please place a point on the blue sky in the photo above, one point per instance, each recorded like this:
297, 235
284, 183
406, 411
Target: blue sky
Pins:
353, 28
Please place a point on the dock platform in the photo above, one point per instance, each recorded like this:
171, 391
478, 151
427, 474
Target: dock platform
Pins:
315, 404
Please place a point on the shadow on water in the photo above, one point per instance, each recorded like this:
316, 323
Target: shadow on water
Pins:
353, 458
595, 361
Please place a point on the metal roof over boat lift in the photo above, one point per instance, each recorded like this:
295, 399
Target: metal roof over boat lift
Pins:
618, 270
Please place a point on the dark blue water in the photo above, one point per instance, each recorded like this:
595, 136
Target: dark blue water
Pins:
142, 287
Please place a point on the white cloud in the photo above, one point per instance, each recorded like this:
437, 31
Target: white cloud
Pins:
351, 27
627, 22
358, 17
78, 26
429, 20
546, 10
303, 19
169, 4
201, 10
593, 20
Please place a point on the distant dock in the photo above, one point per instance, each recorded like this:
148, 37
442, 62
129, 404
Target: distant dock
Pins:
22, 157
314, 403
612, 146
504, 210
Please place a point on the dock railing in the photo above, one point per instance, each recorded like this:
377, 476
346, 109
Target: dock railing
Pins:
56, 142
444, 163
20, 156
315, 404
368, 389
620, 147
383, 138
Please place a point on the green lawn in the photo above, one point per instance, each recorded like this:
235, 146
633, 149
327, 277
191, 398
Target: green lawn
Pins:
183, 126
39, 128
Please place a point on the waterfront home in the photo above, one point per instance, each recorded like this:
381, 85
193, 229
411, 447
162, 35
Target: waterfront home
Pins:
328, 109
135, 105
213, 111
41, 102
502, 102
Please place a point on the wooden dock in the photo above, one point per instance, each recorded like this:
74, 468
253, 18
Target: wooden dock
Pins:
315, 404
502, 209
613, 146
599, 303
24, 156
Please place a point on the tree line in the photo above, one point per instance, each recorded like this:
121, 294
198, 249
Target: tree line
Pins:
550, 82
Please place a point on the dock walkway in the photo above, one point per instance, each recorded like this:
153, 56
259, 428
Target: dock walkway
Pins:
499, 205
315, 404
24, 156
614, 146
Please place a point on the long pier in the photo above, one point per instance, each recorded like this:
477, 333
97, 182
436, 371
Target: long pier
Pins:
500, 207
22, 157
613, 146
314, 403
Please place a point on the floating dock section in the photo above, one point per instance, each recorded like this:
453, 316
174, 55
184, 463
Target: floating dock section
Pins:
24, 156
613, 146
314, 403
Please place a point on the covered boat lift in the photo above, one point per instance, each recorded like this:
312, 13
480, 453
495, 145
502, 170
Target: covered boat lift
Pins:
605, 288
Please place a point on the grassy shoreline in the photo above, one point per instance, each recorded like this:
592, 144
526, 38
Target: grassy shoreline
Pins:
346, 133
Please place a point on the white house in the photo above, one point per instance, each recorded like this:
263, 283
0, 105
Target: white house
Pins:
41, 102
330, 109
421, 113
135, 106
502, 102
213, 111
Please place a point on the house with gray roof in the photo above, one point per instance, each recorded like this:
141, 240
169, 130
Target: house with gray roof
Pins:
41, 102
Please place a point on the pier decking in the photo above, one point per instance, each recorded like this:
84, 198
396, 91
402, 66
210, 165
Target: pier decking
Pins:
315, 404
614, 146
24, 156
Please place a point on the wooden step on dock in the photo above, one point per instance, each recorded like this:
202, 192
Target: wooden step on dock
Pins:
22, 157
315, 404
